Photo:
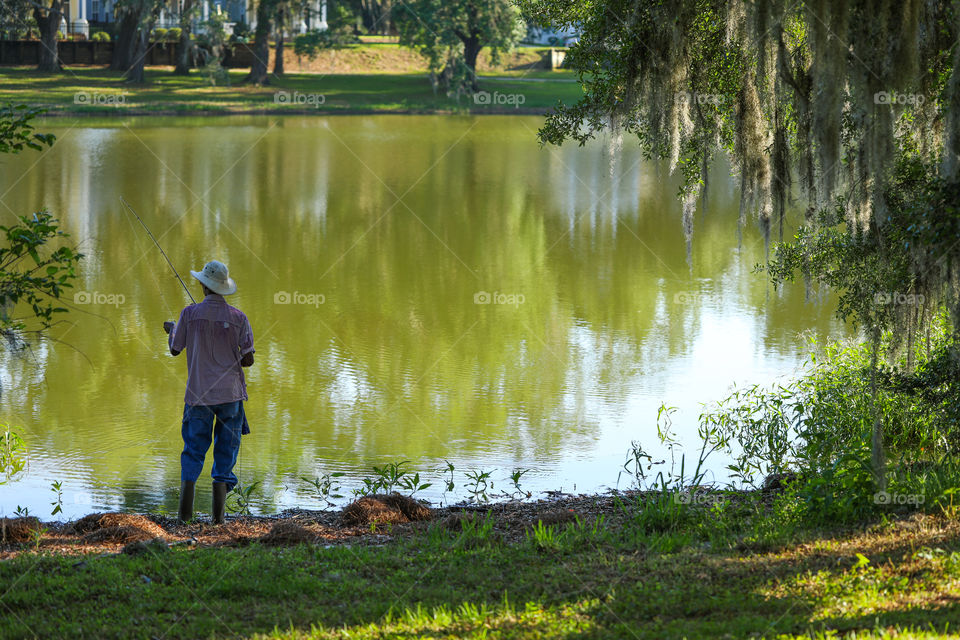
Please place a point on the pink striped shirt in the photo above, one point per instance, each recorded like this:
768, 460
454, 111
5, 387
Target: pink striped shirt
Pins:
215, 336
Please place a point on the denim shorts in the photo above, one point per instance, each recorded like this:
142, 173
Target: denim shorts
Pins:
198, 430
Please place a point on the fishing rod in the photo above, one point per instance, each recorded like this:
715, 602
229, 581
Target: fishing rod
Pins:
159, 247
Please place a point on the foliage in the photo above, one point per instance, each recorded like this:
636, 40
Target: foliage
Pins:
816, 432
12, 454
210, 50
241, 33
805, 89
239, 499
451, 34
597, 579
478, 485
782, 87
476, 532
515, 476
37, 536
159, 34
639, 462
894, 275
16, 19
39, 282
339, 34
57, 488
100, 36
16, 131
448, 481
173, 34
390, 478
327, 487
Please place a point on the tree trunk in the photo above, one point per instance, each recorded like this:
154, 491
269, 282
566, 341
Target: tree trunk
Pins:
376, 16
185, 45
471, 51
48, 23
127, 40
278, 58
261, 46
135, 74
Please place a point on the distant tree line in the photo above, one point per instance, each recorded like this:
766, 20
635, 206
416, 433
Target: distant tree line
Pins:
449, 34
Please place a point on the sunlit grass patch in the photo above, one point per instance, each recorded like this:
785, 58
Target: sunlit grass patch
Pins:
164, 92
597, 578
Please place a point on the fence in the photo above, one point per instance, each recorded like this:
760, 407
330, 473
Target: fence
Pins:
27, 52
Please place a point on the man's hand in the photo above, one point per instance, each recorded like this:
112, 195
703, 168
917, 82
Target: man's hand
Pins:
168, 327
247, 360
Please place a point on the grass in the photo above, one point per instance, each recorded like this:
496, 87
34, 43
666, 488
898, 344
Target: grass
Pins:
363, 93
632, 578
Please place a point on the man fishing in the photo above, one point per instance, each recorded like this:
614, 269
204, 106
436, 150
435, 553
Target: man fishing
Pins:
219, 342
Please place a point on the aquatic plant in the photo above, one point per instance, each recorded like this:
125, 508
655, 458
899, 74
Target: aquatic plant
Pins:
326, 486
13, 452
239, 499
478, 485
57, 488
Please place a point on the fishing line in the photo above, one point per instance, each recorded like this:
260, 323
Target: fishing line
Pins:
152, 276
175, 272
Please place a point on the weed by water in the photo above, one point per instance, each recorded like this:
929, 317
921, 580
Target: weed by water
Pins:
515, 477
390, 478
412, 484
479, 485
13, 454
390, 475
327, 487
239, 499
449, 479
57, 504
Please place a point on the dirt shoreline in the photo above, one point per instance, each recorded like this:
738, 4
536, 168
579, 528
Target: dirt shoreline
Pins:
116, 532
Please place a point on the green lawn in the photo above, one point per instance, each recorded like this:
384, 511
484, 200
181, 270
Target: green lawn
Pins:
102, 92
900, 579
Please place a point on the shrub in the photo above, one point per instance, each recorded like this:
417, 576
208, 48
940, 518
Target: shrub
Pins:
159, 35
100, 36
241, 32
173, 34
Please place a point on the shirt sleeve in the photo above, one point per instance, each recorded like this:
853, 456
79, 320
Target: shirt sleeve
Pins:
246, 338
178, 336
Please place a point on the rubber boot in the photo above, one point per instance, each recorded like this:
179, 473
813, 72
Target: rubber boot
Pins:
219, 501
186, 501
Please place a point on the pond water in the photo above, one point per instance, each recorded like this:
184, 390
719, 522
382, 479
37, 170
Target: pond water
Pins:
428, 289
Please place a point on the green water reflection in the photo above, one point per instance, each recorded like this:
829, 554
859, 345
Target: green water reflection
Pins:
382, 231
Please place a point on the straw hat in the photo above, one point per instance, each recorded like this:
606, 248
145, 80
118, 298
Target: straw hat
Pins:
216, 277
